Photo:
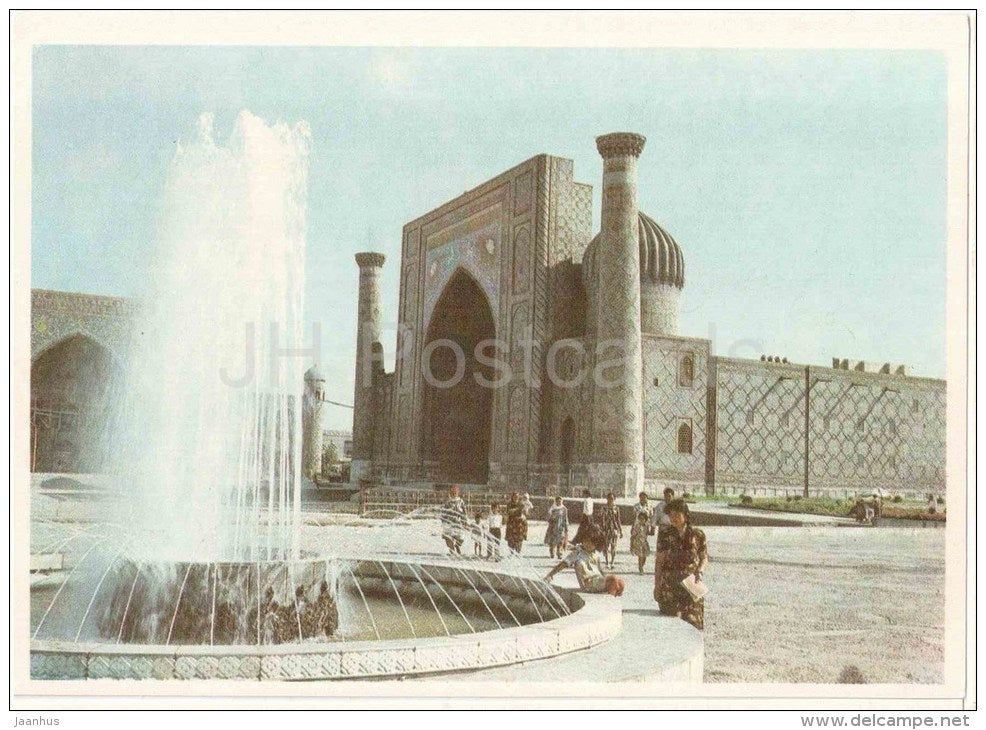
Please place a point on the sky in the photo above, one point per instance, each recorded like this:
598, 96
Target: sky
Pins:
805, 188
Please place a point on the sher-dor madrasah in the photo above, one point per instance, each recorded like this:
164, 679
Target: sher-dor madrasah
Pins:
595, 387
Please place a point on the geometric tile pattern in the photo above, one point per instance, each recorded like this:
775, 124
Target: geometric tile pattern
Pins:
865, 431
55, 665
56, 315
759, 424
524, 234
868, 432
667, 402
618, 405
126, 666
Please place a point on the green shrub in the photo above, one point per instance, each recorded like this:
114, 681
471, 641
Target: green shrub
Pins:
898, 499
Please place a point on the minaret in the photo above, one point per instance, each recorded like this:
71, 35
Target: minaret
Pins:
367, 335
313, 403
617, 431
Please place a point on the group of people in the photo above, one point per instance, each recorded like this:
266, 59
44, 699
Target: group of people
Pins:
681, 551
680, 558
486, 531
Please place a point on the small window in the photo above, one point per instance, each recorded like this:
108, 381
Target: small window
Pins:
749, 418
786, 419
656, 382
892, 426
826, 423
915, 405
861, 424
686, 371
685, 438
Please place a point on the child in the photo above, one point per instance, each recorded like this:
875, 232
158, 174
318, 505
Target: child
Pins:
638, 539
478, 538
588, 567
494, 524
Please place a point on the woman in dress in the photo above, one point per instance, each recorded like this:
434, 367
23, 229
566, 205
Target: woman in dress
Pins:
585, 524
607, 520
643, 505
681, 552
556, 536
516, 523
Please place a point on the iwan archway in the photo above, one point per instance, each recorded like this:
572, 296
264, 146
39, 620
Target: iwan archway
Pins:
72, 384
456, 418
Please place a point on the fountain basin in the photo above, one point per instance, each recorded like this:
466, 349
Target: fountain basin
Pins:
593, 619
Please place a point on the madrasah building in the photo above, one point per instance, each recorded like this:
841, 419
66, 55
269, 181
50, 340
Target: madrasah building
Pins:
604, 392
516, 261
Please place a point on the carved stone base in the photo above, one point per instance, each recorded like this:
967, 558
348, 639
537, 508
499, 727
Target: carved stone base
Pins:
623, 480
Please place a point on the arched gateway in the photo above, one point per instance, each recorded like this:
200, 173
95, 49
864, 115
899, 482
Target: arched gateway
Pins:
456, 417
72, 386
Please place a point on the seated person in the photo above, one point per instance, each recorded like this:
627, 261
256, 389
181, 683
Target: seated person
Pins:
588, 567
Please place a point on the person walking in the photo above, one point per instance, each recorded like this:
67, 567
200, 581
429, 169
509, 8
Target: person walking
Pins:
478, 536
639, 545
453, 520
659, 520
643, 506
528, 505
556, 534
516, 523
494, 532
682, 554
607, 519
585, 525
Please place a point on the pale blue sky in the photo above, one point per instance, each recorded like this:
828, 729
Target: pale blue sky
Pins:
806, 188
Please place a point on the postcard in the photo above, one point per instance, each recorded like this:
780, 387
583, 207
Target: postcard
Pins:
457, 356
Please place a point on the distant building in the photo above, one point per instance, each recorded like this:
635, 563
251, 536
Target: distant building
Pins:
343, 441
313, 402
77, 345
514, 260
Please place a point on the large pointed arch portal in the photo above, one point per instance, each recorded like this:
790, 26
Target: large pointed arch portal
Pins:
456, 423
72, 401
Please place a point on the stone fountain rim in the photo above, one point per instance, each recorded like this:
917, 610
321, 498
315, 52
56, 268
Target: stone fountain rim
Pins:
595, 618
589, 609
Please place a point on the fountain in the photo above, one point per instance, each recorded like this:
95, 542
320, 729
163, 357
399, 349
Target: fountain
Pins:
211, 415
205, 566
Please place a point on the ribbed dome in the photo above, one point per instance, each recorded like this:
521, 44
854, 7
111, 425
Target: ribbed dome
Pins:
661, 261
314, 374
660, 255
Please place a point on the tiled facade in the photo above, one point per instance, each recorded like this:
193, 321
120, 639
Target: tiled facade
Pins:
524, 238
703, 423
